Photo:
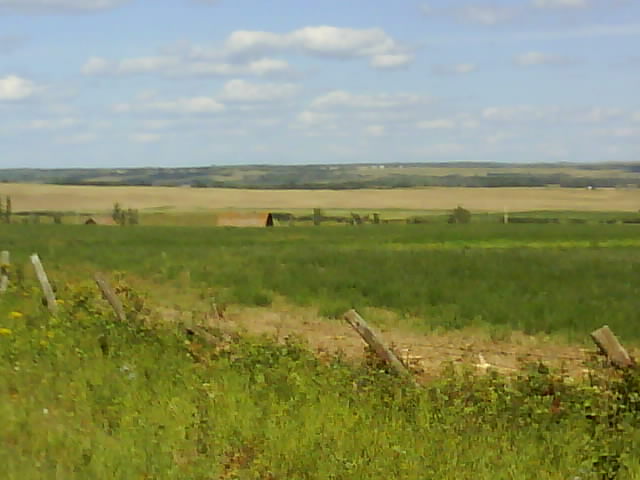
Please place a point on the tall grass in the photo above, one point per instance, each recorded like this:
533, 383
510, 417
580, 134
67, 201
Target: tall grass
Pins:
84, 397
538, 278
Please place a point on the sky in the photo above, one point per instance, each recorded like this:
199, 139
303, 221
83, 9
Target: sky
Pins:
171, 83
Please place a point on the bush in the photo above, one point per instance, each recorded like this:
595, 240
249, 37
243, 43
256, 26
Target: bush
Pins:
460, 215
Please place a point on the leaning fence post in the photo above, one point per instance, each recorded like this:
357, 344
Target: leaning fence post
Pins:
44, 283
611, 347
111, 296
5, 261
374, 340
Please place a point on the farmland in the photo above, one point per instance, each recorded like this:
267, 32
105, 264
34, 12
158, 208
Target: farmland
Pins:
84, 396
556, 278
28, 197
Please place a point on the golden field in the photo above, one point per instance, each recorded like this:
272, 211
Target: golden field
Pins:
35, 197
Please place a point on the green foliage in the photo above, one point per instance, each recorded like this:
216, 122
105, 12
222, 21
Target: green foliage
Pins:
460, 215
567, 279
124, 217
85, 396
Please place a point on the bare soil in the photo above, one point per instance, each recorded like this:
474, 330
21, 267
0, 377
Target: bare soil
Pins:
427, 354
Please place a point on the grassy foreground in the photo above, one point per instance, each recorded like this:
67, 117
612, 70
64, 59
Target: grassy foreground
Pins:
82, 396
564, 279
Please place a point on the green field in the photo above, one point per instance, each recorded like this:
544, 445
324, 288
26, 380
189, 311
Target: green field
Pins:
552, 278
82, 396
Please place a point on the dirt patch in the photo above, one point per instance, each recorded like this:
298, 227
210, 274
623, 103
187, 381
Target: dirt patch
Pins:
427, 353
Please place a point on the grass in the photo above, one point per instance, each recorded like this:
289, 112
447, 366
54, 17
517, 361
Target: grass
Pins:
84, 397
560, 279
31, 197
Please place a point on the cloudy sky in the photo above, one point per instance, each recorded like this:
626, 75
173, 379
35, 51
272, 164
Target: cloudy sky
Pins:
88, 83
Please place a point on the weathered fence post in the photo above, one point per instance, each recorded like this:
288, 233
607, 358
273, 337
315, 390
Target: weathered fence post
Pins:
110, 296
44, 283
5, 261
374, 340
611, 347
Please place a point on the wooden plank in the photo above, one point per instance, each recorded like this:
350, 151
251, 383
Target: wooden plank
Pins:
374, 340
5, 262
611, 347
44, 283
111, 297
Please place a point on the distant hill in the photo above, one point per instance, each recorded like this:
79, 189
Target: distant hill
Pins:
353, 176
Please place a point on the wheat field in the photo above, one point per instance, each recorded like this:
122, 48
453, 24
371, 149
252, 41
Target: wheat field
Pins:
35, 197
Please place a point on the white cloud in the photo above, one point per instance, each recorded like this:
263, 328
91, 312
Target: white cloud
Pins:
486, 14
38, 6
560, 3
601, 114
147, 64
187, 105
623, 132
96, 66
157, 124
390, 61
518, 113
53, 123
343, 99
314, 121
375, 130
589, 31
443, 123
534, 58
145, 137
635, 116
243, 91
77, 139
245, 52
455, 69
15, 88
176, 66
323, 41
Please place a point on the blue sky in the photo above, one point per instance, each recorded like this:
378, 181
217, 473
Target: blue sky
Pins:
123, 83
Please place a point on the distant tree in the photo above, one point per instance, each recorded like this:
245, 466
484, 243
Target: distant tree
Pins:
460, 215
57, 218
118, 214
132, 217
115, 213
7, 210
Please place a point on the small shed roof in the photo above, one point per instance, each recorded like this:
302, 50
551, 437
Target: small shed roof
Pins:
245, 219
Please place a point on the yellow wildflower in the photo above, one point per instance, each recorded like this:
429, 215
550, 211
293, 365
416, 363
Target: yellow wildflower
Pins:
5, 331
16, 315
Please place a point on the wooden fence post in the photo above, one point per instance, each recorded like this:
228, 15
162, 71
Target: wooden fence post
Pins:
5, 261
110, 296
611, 347
44, 283
374, 340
